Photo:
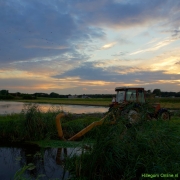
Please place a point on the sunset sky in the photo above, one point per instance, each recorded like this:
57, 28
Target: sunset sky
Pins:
89, 46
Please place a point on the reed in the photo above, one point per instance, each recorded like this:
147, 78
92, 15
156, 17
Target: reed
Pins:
32, 124
127, 152
119, 151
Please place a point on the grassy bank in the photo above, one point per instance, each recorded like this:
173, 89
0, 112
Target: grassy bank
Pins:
79, 101
147, 148
33, 125
170, 103
118, 151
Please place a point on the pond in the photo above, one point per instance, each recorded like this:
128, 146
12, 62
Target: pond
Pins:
8, 107
42, 163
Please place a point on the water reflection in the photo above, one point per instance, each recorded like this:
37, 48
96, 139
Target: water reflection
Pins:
45, 163
59, 159
7, 107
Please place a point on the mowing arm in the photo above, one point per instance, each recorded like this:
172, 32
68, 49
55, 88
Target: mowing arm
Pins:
83, 131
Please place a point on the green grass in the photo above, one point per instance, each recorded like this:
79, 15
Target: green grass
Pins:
117, 152
151, 147
33, 125
170, 103
56, 144
30, 124
80, 101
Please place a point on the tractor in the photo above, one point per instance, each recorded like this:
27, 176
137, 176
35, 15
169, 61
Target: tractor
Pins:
130, 102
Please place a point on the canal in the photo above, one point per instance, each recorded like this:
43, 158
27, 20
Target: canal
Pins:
32, 161
8, 107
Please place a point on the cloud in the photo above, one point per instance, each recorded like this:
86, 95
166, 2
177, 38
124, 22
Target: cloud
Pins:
47, 47
120, 54
50, 30
46, 66
88, 76
116, 74
124, 13
108, 46
155, 47
56, 28
58, 42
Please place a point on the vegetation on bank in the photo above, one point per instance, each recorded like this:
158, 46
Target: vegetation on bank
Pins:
151, 147
118, 151
170, 103
33, 125
168, 100
4, 94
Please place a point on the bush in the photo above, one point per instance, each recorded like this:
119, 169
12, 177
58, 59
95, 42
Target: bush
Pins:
6, 96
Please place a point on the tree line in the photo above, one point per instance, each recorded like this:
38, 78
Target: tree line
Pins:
158, 92
4, 94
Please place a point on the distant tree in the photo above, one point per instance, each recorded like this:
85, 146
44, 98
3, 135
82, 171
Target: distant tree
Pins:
157, 92
63, 96
41, 95
28, 96
4, 92
6, 96
18, 94
54, 95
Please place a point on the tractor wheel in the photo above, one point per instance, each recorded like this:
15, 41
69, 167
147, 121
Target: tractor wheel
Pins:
133, 116
165, 115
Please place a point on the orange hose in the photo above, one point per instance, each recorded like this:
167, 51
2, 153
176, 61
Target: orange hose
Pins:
58, 125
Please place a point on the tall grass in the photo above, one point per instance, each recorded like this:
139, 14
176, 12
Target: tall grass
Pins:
124, 152
120, 151
31, 124
39, 125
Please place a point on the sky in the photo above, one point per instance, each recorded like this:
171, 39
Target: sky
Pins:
89, 46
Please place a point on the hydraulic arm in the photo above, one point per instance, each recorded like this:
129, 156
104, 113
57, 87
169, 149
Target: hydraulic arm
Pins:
83, 131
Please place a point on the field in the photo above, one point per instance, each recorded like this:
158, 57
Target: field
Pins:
170, 103
79, 101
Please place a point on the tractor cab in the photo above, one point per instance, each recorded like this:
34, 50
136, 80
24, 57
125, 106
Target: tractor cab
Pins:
129, 95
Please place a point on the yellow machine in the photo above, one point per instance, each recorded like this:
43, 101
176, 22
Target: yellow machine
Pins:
128, 103
83, 131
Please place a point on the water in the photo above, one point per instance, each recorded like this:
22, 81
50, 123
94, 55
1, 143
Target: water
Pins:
47, 163
8, 107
